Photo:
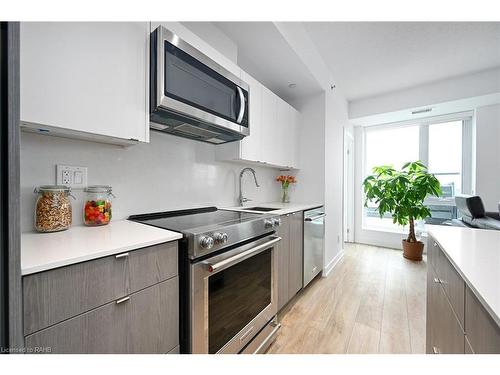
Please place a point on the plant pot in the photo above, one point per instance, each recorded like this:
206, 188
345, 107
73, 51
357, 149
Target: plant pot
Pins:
413, 250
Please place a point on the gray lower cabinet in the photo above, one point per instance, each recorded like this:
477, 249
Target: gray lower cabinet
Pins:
296, 263
444, 333
290, 257
128, 303
483, 333
457, 322
282, 249
146, 322
52, 296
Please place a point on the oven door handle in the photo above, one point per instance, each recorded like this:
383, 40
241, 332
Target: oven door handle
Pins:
212, 267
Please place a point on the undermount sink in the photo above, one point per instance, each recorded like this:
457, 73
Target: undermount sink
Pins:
263, 209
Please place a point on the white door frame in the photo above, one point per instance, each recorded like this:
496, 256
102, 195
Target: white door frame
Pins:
348, 186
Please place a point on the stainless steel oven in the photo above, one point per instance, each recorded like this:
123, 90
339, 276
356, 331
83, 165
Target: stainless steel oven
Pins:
234, 298
192, 96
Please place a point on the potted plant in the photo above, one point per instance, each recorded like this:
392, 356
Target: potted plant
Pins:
402, 194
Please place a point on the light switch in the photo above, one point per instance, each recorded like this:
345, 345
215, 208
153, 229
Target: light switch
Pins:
78, 179
72, 176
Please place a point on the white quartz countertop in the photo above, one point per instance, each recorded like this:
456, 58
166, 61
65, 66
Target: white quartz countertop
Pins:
475, 253
44, 251
283, 208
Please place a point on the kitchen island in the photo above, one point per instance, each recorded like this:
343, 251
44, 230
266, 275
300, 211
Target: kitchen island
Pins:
463, 290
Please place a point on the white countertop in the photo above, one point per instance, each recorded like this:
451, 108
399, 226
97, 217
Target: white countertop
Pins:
44, 251
283, 208
475, 253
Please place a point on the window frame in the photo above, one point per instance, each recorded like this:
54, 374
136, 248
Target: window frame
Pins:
467, 158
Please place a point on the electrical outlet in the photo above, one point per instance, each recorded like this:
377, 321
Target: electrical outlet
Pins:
72, 176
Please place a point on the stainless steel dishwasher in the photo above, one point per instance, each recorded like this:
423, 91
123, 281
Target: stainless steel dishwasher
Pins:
314, 243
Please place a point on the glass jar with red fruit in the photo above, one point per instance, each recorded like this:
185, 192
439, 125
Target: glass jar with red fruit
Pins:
97, 208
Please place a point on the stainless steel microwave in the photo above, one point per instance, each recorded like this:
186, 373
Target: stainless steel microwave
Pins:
192, 96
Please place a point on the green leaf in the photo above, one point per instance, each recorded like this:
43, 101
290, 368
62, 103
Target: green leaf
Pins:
401, 192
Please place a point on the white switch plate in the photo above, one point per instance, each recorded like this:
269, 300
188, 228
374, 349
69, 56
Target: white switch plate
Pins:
72, 176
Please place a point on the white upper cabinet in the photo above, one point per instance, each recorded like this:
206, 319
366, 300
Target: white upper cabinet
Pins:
86, 79
273, 138
251, 146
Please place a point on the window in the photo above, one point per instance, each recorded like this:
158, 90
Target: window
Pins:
388, 146
438, 144
445, 156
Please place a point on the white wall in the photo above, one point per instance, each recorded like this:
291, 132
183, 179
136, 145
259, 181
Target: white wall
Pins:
311, 176
335, 119
482, 83
488, 155
474, 92
169, 173
320, 178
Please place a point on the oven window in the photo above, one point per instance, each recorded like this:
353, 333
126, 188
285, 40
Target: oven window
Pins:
236, 296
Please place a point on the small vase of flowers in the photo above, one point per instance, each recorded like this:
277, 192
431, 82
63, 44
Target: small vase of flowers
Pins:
285, 183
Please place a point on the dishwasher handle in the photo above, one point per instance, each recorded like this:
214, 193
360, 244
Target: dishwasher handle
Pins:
314, 217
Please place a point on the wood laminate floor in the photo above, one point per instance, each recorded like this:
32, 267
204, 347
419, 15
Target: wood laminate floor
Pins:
372, 302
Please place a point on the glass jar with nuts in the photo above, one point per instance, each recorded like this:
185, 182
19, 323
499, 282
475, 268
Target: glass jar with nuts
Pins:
53, 208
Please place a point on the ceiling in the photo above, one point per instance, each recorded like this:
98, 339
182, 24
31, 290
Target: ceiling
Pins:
367, 58
266, 55
372, 58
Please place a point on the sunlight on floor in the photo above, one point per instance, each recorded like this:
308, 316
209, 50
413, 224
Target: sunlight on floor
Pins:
372, 302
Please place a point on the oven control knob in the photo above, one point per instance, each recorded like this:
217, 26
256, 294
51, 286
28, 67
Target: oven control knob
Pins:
206, 242
220, 237
276, 221
268, 223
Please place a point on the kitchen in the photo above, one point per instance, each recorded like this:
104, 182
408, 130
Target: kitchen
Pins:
188, 179
182, 191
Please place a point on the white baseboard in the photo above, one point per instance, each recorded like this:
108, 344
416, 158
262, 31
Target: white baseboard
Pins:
329, 267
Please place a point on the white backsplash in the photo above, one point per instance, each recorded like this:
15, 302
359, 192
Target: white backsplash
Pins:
168, 173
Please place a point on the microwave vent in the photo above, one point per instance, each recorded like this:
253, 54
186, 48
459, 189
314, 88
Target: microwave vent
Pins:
196, 131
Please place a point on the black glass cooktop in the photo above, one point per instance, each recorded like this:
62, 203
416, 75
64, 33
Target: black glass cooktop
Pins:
189, 220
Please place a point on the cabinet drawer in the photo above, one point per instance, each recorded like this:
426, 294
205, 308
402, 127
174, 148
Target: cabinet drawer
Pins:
452, 283
148, 322
53, 296
482, 331
444, 332
432, 252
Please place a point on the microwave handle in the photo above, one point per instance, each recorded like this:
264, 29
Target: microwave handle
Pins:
242, 105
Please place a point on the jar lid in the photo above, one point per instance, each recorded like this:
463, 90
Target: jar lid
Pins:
54, 188
98, 189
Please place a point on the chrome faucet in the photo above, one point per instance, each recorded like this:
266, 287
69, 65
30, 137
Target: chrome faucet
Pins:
241, 198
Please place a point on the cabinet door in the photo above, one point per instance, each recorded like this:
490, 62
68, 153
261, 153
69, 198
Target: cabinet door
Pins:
283, 249
296, 261
432, 252
432, 312
293, 143
251, 146
444, 332
86, 77
270, 133
52, 296
482, 332
147, 322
